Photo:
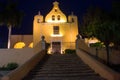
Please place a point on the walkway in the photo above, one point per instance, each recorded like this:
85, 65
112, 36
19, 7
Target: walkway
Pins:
62, 67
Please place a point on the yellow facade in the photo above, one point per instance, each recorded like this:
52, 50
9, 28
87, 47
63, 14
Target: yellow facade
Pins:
56, 27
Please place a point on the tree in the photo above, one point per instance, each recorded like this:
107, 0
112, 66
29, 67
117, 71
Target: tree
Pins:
104, 31
116, 19
89, 19
103, 27
11, 17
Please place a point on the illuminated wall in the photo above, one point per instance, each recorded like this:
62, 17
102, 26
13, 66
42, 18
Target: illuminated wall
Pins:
21, 41
68, 28
19, 45
55, 15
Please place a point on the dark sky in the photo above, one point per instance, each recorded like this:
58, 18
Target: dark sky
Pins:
31, 7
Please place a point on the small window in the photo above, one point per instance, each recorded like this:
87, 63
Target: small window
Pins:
53, 17
58, 17
55, 10
72, 19
38, 21
56, 29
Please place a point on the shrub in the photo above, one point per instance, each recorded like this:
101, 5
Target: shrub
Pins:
98, 44
9, 66
70, 51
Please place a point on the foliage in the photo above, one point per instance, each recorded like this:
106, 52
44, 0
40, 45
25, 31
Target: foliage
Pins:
89, 19
70, 51
116, 18
98, 44
9, 66
10, 15
102, 25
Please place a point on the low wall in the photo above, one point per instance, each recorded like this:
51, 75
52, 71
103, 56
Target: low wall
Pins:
98, 67
19, 56
24, 69
114, 54
37, 48
27, 62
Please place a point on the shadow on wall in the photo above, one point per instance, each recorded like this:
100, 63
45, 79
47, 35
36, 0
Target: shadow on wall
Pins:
20, 45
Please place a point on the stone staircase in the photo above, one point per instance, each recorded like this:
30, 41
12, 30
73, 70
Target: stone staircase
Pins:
62, 67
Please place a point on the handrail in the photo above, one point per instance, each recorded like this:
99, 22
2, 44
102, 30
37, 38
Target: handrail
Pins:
24, 69
98, 67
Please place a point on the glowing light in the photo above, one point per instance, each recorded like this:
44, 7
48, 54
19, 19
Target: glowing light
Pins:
91, 40
49, 51
94, 40
31, 45
56, 35
19, 45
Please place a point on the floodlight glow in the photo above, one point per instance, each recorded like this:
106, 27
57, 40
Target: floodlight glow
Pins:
56, 35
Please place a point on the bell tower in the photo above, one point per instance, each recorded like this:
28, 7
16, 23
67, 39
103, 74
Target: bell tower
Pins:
55, 15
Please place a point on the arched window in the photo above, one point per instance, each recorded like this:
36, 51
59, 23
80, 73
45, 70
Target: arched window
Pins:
58, 17
55, 10
53, 17
19, 45
31, 45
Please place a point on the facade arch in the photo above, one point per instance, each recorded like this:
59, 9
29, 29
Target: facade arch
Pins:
19, 45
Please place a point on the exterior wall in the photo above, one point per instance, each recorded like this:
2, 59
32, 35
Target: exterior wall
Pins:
27, 60
56, 12
15, 55
98, 67
67, 36
114, 54
27, 39
67, 29
20, 72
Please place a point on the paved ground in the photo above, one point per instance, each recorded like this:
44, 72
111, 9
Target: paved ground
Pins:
62, 67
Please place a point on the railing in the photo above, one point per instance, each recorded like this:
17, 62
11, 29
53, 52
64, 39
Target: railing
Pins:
24, 69
98, 67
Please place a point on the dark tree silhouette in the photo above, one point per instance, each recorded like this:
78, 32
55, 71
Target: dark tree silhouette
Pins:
10, 16
100, 24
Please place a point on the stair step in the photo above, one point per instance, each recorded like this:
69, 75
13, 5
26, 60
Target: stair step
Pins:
53, 71
66, 78
62, 67
63, 74
65, 68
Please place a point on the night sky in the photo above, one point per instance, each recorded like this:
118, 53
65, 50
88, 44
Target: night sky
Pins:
31, 7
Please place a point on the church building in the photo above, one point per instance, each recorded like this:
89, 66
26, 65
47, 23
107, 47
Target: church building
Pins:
58, 29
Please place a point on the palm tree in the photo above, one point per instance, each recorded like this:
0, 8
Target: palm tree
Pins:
11, 17
116, 18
